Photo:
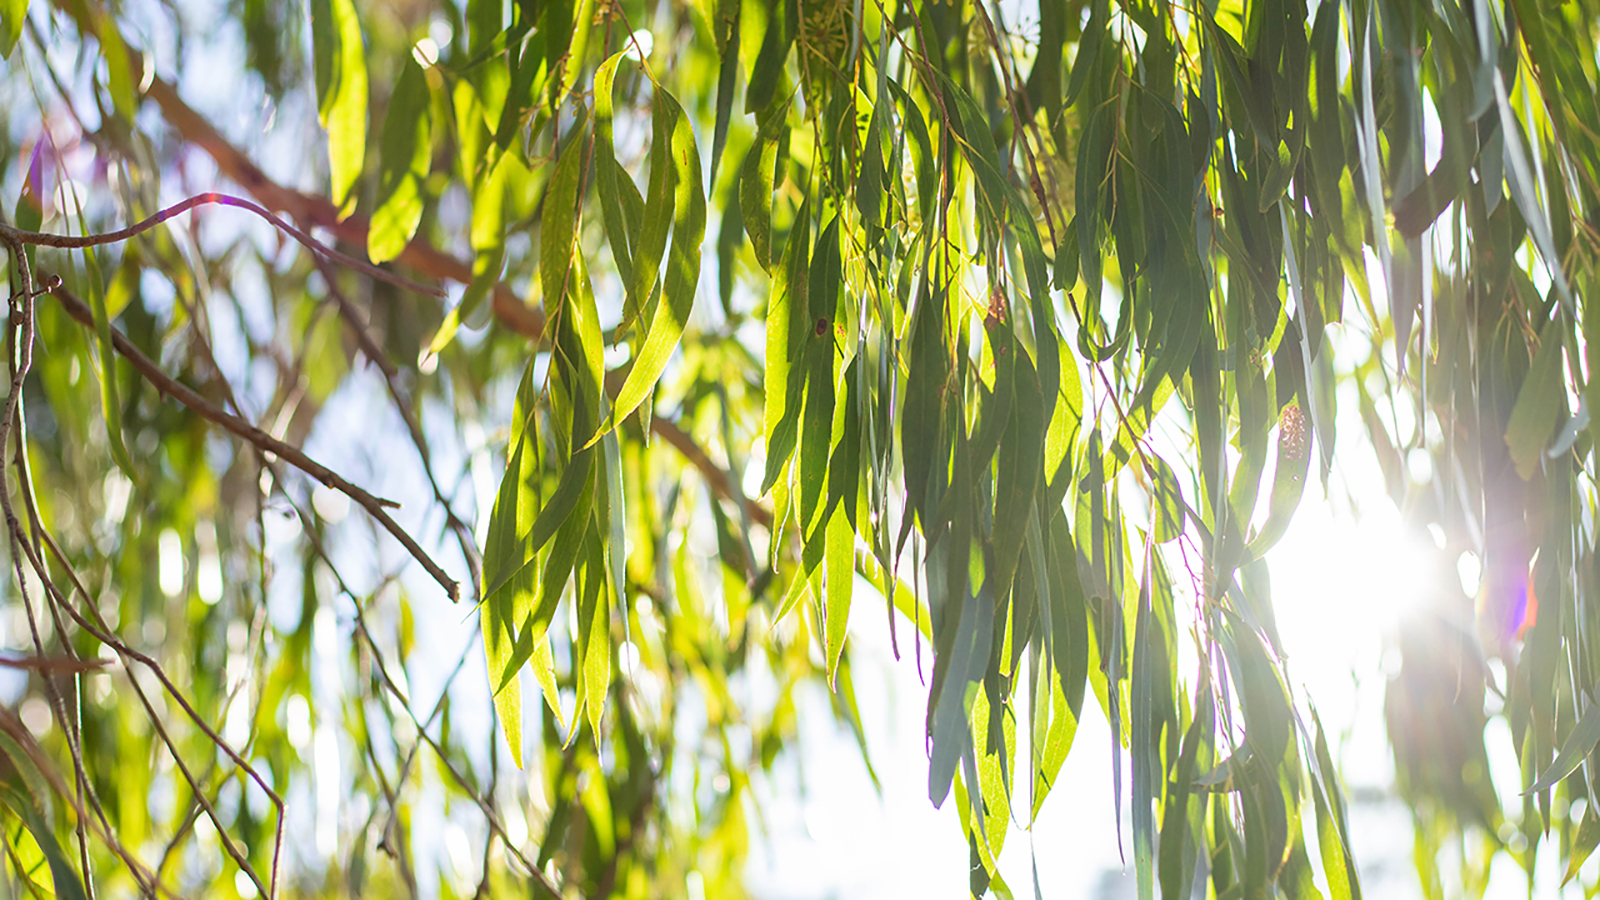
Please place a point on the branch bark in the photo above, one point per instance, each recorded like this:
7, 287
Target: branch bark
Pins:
319, 212
509, 309
291, 454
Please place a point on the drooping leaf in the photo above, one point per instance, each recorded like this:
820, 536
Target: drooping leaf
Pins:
1539, 404
405, 154
67, 884
341, 70
683, 265
12, 17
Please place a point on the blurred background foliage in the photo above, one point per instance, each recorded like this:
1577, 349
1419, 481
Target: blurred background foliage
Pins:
699, 323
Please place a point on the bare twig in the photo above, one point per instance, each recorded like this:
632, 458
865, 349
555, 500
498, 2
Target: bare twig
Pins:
48, 665
67, 241
318, 212
164, 383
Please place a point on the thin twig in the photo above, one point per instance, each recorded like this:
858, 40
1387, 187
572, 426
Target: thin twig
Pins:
67, 241
318, 212
263, 441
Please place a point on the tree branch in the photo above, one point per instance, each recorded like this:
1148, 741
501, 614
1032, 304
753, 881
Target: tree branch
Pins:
164, 383
313, 211
319, 212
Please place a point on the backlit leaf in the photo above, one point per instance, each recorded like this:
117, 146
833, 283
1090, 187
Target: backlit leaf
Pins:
405, 155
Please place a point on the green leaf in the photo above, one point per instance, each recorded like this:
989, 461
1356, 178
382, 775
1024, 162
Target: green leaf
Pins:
727, 36
1088, 53
1017, 474
869, 183
683, 266
341, 70
110, 394
609, 174
1582, 739
816, 421
1166, 502
1539, 404
1524, 190
514, 512
67, 884
1054, 725
784, 376
1288, 480
617, 518
840, 574
13, 14
559, 224
124, 92
767, 73
405, 154
1587, 839
1061, 438
594, 634
755, 197
1176, 863
1338, 865
969, 658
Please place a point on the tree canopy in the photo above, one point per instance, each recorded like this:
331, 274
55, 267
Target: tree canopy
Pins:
648, 339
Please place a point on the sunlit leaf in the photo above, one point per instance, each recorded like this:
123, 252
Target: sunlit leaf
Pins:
341, 70
406, 153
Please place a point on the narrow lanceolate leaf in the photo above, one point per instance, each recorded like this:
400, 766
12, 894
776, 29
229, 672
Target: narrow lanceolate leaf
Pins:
727, 35
1525, 191
65, 880
608, 173
1055, 724
341, 68
617, 518
969, 658
514, 512
784, 378
110, 394
755, 197
594, 634
1288, 482
683, 265
119, 72
405, 154
559, 225
1021, 460
1574, 750
1539, 402
839, 572
12, 15
1583, 845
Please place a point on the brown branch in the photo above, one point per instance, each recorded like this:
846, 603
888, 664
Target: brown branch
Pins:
313, 211
46, 665
319, 212
164, 383
69, 241
720, 481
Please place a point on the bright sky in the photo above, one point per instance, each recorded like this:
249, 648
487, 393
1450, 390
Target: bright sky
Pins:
1344, 577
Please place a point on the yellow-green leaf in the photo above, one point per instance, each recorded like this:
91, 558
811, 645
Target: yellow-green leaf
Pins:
12, 14
341, 70
683, 264
403, 165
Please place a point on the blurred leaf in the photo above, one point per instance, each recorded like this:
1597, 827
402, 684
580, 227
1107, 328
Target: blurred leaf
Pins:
67, 884
12, 17
1539, 404
124, 92
1574, 749
341, 69
406, 154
